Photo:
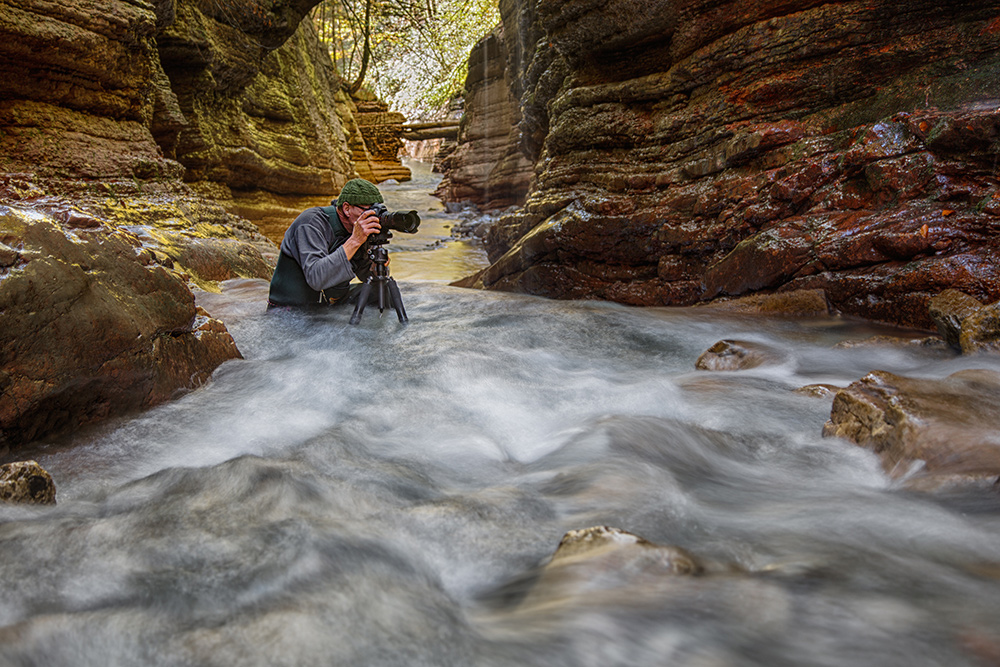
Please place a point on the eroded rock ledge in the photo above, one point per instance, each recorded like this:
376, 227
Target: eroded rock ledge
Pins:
93, 325
733, 148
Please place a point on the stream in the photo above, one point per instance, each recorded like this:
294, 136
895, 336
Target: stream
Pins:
388, 494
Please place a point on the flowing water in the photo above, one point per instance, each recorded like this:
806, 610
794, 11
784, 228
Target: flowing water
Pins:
388, 495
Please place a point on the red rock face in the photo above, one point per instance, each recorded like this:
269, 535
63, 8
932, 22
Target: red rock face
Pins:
740, 147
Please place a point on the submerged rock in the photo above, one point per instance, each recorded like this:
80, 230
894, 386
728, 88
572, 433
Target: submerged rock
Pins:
818, 390
736, 355
927, 431
602, 558
926, 342
26, 482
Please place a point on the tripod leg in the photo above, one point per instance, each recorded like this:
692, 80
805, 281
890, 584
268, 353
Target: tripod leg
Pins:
397, 300
359, 308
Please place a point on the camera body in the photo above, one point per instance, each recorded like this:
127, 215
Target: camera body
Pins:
400, 221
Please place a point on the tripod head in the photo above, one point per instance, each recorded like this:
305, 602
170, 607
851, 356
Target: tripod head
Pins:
378, 254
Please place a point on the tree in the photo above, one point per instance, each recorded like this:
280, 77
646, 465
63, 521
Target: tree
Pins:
411, 53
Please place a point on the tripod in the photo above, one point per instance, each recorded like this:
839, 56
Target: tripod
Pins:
387, 288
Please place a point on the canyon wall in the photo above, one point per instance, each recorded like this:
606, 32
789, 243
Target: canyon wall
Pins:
487, 167
149, 150
690, 150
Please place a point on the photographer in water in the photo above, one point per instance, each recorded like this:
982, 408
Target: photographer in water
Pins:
325, 247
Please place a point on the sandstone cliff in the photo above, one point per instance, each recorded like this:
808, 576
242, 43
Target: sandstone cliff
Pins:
144, 148
687, 150
487, 168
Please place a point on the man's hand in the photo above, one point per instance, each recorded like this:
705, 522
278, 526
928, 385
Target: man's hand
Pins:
364, 226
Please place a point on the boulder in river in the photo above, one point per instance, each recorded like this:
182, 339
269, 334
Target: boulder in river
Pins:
92, 327
948, 310
736, 355
929, 432
26, 482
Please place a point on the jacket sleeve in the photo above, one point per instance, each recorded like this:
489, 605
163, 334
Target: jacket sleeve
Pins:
321, 270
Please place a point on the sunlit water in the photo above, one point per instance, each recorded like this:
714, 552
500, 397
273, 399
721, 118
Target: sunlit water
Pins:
385, 494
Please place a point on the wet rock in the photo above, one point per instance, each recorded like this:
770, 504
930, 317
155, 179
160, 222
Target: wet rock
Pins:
818, 390
595, 542
981, 330
26, 482
948, 310
926, 431
804, 303
92, 328
965, 323
736, 355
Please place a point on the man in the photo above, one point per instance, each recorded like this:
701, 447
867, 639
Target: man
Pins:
325, 247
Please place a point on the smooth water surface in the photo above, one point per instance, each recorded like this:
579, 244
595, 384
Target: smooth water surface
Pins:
385, 494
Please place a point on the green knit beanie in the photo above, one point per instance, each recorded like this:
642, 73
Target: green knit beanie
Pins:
359, 192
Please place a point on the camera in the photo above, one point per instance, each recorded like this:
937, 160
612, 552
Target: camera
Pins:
400, 221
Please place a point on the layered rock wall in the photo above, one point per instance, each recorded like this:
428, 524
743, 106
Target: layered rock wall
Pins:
237, 99
688, 150
382, 131
487, 168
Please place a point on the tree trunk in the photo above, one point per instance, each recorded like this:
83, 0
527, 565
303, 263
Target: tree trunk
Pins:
366, 53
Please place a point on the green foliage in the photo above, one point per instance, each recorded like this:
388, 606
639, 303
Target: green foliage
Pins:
418, 48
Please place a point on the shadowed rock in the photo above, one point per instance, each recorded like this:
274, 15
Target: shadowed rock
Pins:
928, 431
487, 168
92, 327
965, 323
26, 482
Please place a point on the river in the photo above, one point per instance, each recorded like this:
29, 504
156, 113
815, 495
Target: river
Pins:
388, 494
